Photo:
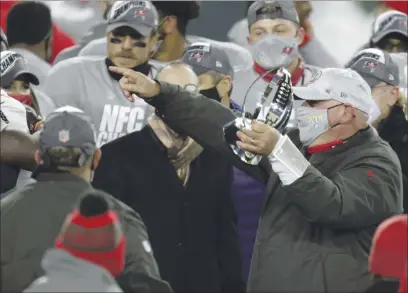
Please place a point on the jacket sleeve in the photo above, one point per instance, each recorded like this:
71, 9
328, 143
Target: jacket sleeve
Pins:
202, 119
357, 197
141, 273
229, 255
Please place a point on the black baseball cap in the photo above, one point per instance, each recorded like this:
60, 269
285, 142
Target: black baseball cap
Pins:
141, 16
68, 127
3, 41
375, 66
12, 66
271, 10
203, 57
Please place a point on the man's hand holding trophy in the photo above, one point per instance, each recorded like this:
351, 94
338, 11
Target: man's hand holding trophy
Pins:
258, 137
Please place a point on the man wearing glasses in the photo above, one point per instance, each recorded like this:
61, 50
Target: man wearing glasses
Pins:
183, 194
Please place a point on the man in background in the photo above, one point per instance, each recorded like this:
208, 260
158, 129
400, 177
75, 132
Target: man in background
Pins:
174, 19
31, 217
86, 82
275, 36
61, 39
29, 33
310, 49
382, 74
184, 196
97, 31
215, 77
390, 32
89, 251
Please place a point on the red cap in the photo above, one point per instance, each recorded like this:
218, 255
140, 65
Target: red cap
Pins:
388, 257
93, 233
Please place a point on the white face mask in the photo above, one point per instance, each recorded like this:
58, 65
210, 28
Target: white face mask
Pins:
375, 112
312, 123
273, 51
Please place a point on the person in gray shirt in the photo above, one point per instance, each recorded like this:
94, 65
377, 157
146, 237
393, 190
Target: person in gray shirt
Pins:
29, 33
86, 82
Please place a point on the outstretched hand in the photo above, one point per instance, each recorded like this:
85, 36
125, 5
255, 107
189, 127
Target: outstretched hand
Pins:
137, 83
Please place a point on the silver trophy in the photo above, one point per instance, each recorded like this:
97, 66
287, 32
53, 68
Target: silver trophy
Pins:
273, 108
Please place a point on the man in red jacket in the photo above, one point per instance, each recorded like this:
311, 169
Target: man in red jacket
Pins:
60, 39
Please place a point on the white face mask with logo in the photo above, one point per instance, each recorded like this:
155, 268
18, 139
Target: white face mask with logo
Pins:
273, 51
312, 123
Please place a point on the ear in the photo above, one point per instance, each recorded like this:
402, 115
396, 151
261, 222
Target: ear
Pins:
348, 114
37, 157
96, 158
249, 40
394, 97
227, 83
169, 24
300, 35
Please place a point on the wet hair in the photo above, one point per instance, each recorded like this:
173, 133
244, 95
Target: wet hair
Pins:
183, 10
28, 22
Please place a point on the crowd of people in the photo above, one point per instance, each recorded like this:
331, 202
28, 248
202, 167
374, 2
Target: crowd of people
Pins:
116, 175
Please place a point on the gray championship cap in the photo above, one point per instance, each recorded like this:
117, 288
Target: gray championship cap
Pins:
375, 66
68, 127
12, 66
203, 57
141, 16
271, 10
3, 41
389, 22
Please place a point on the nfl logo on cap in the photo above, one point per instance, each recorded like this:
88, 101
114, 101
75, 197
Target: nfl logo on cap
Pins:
63, 136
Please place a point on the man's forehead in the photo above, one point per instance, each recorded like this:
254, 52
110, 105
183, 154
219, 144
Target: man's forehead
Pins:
271, 23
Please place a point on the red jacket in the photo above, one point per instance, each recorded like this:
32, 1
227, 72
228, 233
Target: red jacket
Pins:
60, 41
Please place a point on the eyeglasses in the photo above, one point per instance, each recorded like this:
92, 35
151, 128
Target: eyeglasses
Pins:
191, 88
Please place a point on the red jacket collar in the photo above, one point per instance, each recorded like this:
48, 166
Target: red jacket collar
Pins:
296, 74
323, 147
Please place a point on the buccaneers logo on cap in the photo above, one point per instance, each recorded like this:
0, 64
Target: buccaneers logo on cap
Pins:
140, 12
196, 56
371, 64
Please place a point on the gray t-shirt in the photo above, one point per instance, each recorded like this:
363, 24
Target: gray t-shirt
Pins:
85, 83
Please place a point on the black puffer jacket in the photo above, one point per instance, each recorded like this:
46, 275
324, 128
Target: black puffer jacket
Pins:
394, 130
